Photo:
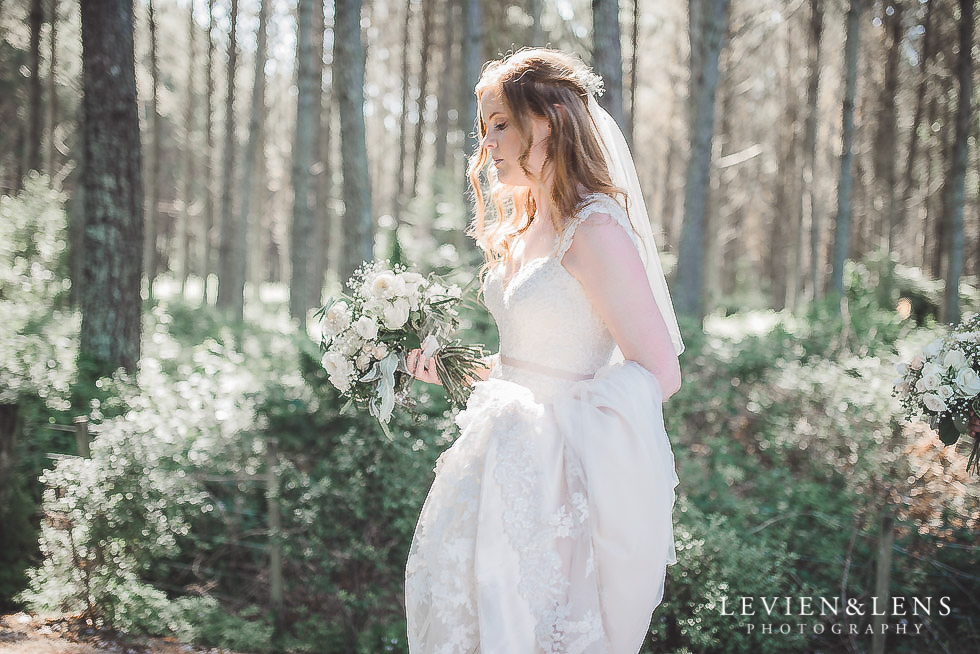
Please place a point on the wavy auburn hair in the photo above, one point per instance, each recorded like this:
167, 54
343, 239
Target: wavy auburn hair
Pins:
546, 84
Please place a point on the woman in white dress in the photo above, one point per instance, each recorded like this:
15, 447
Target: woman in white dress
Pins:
548, 525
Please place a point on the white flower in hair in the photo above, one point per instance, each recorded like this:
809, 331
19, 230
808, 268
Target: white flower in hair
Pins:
591, 83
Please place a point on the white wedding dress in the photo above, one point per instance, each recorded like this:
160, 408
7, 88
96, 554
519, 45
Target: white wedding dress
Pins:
548, 525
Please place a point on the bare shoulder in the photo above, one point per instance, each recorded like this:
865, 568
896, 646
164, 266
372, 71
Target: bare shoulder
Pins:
600, 245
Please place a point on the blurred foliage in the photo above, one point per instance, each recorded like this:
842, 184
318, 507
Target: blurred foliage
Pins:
788, 443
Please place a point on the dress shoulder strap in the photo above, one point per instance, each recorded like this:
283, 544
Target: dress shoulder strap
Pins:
595, 203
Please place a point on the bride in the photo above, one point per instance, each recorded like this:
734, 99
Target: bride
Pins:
548, 525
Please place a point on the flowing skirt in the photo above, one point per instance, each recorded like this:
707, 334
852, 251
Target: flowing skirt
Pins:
548, 525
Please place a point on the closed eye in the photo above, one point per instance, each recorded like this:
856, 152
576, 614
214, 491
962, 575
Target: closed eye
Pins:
500, 127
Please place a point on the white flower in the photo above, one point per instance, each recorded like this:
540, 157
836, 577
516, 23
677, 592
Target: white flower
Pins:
968, 383
366, 327
933, 348
341, 382
380, 351
396, 313
902, 368
929, 382
945, 392
336, 364
954, 359
374, 307
902, 387
337, 319
916, 362
933, 402
455, 291
388, 285
363, 361
931, 369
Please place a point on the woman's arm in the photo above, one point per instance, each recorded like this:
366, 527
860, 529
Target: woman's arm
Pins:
604, 260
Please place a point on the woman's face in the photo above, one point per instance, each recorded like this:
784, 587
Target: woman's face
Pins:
503, 141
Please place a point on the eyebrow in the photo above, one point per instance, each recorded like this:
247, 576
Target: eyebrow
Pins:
490, 117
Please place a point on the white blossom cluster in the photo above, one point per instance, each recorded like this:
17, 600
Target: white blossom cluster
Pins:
387, 306
944, 379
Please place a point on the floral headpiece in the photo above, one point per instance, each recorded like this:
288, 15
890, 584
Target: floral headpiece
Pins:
590, 83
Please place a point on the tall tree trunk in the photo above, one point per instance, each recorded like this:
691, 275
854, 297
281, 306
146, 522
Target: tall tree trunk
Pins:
886, 147
537, 29
956, 185
321, 212
153, 167
254, 155
842, 222
51, 111
690, 298
231, 277
607, 56
810, 209
111, 306
303, 146
445, 92
472, 63
783, 234
187, 167
403, 118
207, 233
348, 76
32, 150
634, 61
427, 25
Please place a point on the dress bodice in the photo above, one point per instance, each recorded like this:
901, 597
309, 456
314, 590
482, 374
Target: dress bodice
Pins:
544, 317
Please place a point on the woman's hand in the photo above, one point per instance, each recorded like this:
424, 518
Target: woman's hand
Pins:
422, 367
974, 424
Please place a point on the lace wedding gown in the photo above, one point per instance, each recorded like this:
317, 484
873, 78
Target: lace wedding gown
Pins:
548, 526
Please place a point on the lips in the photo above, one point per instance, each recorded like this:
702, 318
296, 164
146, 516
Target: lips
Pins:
497, 162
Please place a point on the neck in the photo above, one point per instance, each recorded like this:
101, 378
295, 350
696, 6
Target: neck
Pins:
542, 199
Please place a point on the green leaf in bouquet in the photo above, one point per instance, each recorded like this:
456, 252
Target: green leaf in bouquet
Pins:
948, 433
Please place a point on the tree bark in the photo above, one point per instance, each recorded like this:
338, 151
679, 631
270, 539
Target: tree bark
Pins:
403, 118
32, 151
472, 63
607, 56
231, 277
690, 297
956, 185
153, 168
51, 111
886, 146
209, 211
810, 209
427, 26
842, 222
445, 91
303, 146
634, 62
187, 167
319, 238
111, 305
348, 76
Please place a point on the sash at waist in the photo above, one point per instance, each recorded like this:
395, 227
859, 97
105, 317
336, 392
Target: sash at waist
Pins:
540, 369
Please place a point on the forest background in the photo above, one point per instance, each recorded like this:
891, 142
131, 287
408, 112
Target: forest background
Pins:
178, 205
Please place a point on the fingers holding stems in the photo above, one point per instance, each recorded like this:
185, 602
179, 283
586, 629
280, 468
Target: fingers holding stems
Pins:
422, 367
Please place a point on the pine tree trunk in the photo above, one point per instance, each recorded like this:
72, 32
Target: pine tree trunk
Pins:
886, 148
445, 92
32, 149
427, 25
348, 75
691, 260
811, 210
303, 146
207, 234
254, 155
321, 209
634, 62
51, 111
403, 119
231, 277
607, 56
842, 222
152, 171
187, 166
956, 186
472, 64
537, 29
111, 305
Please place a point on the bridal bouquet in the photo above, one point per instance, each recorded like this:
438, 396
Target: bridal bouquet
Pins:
942, 384
366, 334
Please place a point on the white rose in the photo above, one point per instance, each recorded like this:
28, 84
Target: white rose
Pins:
954, 359
933, 402
932, 369
437, 290
902, 387
380, 351
396, 313
374, 307
336, 364
902, 368
916, 362
341, 382
933, 348
945, 392
929, 382
388, 285
363, 361
968, 383
337, 319
413, 278
366, 327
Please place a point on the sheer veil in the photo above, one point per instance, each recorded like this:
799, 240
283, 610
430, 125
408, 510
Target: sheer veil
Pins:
623, 172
